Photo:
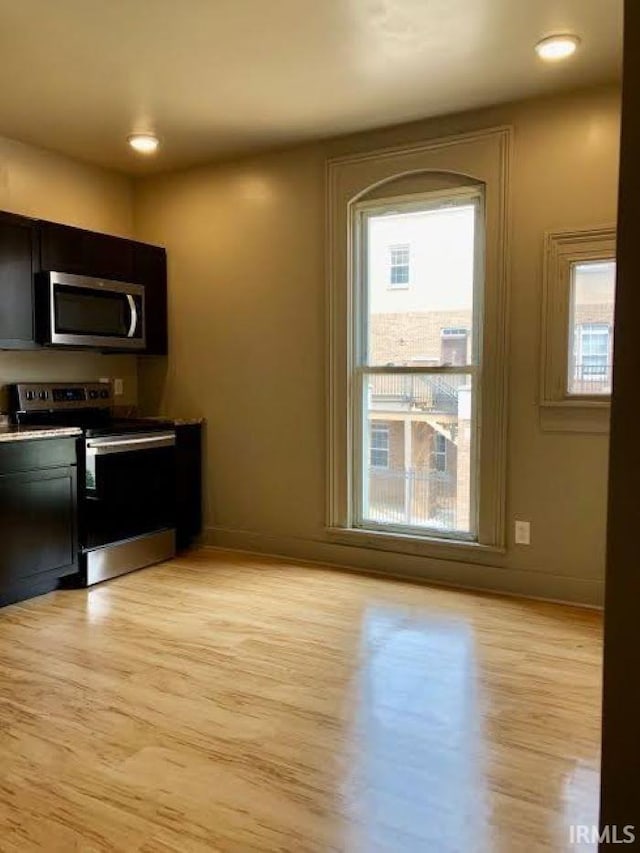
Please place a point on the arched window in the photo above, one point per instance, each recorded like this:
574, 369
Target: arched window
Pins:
402, 373
417, 292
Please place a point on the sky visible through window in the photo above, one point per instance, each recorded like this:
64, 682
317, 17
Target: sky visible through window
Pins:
440, 244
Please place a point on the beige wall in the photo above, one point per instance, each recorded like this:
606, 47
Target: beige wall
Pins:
38, 183
245, 242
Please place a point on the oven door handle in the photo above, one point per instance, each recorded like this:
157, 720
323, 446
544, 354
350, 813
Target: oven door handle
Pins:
147, 442
134, 316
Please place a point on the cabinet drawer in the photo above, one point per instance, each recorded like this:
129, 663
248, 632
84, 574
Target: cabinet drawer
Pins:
29, 455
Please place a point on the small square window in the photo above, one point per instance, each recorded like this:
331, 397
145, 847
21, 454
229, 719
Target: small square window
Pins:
399, 265
578, 322
591, 328
454, 346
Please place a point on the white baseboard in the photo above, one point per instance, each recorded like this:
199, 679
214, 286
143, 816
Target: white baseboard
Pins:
507, 581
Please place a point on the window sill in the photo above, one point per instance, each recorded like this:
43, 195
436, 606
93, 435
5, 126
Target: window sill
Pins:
578, 403
443, 549
589, 416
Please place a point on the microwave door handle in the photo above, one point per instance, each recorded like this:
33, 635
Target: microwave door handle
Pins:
134, 316
52, 308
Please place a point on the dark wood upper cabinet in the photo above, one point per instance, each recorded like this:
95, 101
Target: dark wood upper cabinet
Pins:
18, 261
73, 250
150, 269
28, 246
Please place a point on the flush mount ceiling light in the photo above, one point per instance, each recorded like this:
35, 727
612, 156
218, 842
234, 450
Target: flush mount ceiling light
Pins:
143, 143
555, 48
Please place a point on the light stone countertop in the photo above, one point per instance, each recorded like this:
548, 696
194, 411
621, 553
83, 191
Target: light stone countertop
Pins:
187, 421
12, 432
177, 421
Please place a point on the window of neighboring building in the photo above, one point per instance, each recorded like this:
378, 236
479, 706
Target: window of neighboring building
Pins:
439, 452
399, 265
591, 328
591, 367
577, 347
453, 345
379, 445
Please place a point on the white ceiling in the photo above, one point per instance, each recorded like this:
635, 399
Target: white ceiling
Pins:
216, 77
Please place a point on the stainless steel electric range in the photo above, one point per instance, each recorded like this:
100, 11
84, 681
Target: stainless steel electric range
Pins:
127, 475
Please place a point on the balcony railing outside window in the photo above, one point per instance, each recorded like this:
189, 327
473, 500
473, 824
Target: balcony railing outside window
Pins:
424, 498
426, 393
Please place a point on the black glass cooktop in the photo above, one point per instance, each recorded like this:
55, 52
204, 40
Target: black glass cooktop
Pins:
120, 426
94, 422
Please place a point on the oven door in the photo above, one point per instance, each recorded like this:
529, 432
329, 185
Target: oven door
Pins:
129, 488
91, 312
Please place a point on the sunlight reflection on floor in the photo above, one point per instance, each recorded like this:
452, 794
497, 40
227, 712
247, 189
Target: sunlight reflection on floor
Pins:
418, 729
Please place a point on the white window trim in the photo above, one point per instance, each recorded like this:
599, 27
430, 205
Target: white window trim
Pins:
483, 156
559, 410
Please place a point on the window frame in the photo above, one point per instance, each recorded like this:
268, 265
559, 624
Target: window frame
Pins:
562, 251
433, 200
480, 156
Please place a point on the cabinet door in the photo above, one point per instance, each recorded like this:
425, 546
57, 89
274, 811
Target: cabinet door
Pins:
17, 261
37, 525
111, 257
188, 483
150, 269
67, 249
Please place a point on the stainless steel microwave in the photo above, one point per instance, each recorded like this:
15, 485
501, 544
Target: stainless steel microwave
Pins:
80, 311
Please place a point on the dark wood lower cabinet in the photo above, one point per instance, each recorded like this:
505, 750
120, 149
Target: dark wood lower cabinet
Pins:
189, 483
38, 511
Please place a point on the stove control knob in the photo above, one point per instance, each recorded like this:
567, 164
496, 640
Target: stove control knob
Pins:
93, 395
29, 395
104, 394
44, 395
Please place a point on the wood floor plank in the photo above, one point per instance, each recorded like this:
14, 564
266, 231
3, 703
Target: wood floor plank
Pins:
229, 702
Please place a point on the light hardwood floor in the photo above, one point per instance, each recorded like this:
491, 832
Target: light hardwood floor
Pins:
237, 703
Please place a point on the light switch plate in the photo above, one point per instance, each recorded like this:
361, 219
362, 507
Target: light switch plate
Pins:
118, 387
